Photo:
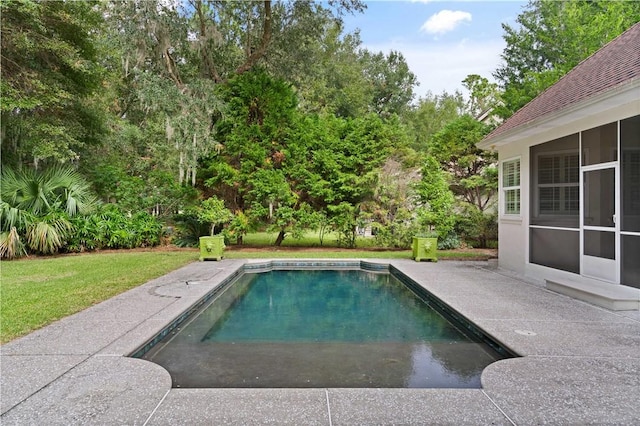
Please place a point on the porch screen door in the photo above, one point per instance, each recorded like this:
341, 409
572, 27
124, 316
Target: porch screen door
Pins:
599, 236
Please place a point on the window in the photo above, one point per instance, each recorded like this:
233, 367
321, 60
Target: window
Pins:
555, 183
558, 184
511, 186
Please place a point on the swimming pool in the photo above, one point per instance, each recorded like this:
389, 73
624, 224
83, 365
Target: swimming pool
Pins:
323, 328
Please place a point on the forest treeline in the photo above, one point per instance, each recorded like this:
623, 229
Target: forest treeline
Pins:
125, 123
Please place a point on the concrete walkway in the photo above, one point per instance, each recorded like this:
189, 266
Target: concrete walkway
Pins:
580, 363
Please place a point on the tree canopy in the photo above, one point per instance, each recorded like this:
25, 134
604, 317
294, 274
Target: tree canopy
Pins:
253, 115
50, 69
551, 38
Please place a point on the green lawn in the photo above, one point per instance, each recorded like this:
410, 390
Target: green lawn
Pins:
37, 292
309, 239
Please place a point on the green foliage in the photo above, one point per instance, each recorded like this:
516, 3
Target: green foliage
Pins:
552, 38
435, 200
483, 95
111, 228
35, 207
200, 220
275, 165
393, 207
50, 70
213, 212
141, 182
48, 234
189, 228
478, 228
11, 246
344, 219
330, 78
39, 192
448, 242
253, 136
397, 233
238, 227
345, 156
472, 172
391, 80
428, 117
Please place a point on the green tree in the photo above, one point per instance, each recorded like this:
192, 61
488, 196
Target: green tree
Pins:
484, 96
430, 115
552, 37
253, 137
253, 168
331, 80
394, 205
392, 82
50, 69
472, 172
435, 200
213, 212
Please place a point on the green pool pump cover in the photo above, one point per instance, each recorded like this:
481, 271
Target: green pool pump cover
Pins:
425, 248
211, 247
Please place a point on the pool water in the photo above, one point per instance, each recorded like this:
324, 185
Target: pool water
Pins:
321, 329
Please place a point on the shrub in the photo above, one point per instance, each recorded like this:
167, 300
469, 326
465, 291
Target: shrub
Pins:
476, 227
189, 228
114, 229
397, 234
449, 242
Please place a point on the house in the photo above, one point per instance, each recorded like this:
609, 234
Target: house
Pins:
569, 178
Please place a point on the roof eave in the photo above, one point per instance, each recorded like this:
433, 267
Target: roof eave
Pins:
631, 88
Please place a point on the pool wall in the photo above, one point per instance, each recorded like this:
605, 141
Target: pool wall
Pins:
464, 324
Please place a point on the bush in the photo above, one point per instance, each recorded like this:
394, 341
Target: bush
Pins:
189, 228
449, 242
476, 227
112, 228
395, 234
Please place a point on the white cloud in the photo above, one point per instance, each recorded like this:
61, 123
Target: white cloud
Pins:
441, 67
445, 21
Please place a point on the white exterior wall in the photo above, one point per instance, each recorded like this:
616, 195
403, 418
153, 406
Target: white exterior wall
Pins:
513, 249
513, 232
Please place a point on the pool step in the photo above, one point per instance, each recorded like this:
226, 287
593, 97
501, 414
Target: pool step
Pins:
610, 296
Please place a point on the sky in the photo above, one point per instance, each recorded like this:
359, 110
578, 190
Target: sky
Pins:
442, 41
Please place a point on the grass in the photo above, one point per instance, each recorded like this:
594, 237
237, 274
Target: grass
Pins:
37, 292
309, 239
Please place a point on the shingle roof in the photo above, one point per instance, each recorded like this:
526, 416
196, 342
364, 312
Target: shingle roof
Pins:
616, 63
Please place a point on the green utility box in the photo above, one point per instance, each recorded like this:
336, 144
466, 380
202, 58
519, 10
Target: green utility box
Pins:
211, 247
425, 248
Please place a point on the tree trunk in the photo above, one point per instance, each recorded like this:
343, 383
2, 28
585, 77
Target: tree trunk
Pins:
280, 239
252, 58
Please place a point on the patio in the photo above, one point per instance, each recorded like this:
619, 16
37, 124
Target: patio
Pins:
580, 363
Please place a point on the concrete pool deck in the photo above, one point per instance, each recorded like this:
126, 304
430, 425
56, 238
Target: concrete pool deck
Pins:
580, 363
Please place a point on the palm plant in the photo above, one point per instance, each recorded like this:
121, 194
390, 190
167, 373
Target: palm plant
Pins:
56, 188
35, 207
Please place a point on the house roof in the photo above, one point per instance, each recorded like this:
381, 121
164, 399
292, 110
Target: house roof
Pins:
616, 64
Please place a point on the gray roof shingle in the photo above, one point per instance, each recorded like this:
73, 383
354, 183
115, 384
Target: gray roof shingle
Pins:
615, 64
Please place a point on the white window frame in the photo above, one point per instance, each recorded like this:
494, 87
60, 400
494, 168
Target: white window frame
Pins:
507, 189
